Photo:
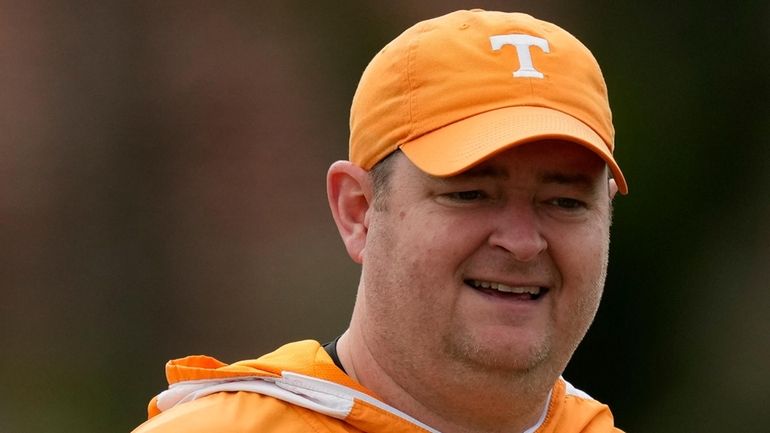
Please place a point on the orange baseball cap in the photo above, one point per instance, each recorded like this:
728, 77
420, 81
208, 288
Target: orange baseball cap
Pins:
453, 91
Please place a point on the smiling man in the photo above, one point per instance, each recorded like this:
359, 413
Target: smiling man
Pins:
477, 200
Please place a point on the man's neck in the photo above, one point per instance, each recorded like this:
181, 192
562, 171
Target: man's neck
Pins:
446, 400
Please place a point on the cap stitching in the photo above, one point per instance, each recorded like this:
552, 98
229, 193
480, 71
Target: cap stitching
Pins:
410, 89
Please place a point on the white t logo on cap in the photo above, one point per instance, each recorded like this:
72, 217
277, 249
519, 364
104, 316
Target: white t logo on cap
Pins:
522, 44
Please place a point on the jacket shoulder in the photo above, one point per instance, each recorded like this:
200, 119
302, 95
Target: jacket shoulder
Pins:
240, 412
586, 415
573, 411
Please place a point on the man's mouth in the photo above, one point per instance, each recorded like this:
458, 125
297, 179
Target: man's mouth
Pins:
503, 290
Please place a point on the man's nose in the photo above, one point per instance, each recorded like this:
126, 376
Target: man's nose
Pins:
517, 230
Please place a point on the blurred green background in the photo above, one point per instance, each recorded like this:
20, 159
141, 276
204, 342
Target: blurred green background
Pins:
162, 193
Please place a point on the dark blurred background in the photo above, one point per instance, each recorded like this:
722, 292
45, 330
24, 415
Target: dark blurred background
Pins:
162, 193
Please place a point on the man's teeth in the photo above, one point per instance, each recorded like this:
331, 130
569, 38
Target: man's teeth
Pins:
532, 290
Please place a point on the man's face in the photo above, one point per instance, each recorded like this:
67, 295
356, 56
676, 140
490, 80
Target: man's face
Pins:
500, 268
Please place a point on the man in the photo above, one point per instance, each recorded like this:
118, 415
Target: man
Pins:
477, 200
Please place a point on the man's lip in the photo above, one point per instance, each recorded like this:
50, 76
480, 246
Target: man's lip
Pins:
506, 285
519, 292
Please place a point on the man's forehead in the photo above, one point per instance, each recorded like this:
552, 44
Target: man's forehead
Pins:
486, 169
553, 161
566, 176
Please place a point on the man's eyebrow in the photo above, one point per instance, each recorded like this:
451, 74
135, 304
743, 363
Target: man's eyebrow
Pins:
561, 178
495, 172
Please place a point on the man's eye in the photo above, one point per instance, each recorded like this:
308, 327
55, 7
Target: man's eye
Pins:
467, 195
568, 203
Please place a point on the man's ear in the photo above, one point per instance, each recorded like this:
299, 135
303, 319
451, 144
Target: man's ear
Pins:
613, 188
350, 194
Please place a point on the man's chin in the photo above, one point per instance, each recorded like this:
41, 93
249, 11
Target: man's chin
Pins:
506, 357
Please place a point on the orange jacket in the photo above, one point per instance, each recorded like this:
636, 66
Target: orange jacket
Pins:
298, 388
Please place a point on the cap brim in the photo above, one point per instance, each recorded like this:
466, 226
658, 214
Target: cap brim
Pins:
463, 144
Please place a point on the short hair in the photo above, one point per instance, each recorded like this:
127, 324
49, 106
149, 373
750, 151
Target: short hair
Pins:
380, 176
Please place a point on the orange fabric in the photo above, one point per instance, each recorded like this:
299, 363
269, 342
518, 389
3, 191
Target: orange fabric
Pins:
568, 413
205, 367
304, 358
242, 412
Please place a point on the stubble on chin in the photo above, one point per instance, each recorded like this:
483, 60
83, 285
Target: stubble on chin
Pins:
530, 370
492, 356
